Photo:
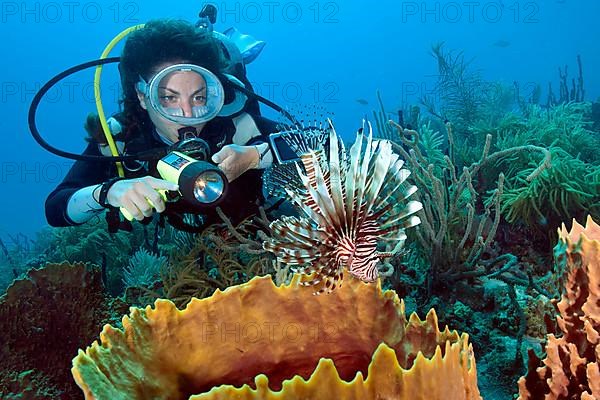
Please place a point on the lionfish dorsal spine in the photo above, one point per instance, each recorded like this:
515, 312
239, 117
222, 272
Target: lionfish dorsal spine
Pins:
398, 191
317, 197
352, 179
304, 202
399, 219
382, 162
335, 180
361, 185
323, 198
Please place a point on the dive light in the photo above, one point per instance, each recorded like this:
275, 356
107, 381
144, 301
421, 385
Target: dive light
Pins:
200, 182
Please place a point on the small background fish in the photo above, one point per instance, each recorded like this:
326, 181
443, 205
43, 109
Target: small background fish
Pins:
501, 43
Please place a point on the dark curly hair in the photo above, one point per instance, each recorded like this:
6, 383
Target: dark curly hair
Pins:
158, 42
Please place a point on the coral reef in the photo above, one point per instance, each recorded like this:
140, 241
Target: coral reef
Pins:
576, 91
255, 339
44, 319
31, 384
570, 187
537, 311
221, 256
492, 184
457, 230
566, 189
144, 269
459, 87
113, 252
571, 367
19, 253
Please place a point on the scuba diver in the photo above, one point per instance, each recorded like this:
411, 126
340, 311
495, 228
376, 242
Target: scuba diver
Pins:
181, 84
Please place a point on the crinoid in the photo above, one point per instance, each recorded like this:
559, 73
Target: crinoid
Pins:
351, 202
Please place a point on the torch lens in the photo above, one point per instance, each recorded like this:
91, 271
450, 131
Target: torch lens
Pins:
209, 186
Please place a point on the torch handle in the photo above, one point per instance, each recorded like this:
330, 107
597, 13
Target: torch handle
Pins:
127, 214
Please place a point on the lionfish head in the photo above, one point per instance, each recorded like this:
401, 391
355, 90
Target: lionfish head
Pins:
351, 201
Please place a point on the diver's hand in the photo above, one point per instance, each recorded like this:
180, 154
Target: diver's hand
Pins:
234, 160
138, 195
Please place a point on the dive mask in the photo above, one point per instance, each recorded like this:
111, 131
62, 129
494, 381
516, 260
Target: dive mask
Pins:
185, 94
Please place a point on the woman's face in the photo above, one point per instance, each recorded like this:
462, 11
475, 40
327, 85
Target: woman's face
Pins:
179, 93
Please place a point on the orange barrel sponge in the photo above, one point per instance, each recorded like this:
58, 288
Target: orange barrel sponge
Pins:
571, 367
260, 341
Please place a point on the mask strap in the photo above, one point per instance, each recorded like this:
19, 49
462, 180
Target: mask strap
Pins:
239, 100
142, 85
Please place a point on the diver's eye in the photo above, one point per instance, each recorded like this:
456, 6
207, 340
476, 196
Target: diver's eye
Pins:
168, 99
199, 99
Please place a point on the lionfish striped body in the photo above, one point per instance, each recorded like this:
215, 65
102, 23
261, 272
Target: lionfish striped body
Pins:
352, 202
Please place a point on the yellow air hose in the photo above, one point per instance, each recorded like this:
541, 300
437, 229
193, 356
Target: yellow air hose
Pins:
98, 98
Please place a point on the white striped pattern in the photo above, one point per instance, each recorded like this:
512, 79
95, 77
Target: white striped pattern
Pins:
351, 202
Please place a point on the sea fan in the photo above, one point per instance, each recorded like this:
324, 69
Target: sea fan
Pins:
352, 201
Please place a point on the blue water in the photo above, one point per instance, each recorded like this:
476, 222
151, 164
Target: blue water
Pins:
329, 53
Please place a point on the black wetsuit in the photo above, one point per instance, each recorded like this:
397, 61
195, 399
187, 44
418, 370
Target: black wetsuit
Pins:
241, 199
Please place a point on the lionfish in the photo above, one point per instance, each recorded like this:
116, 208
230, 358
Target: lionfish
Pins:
351, 202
